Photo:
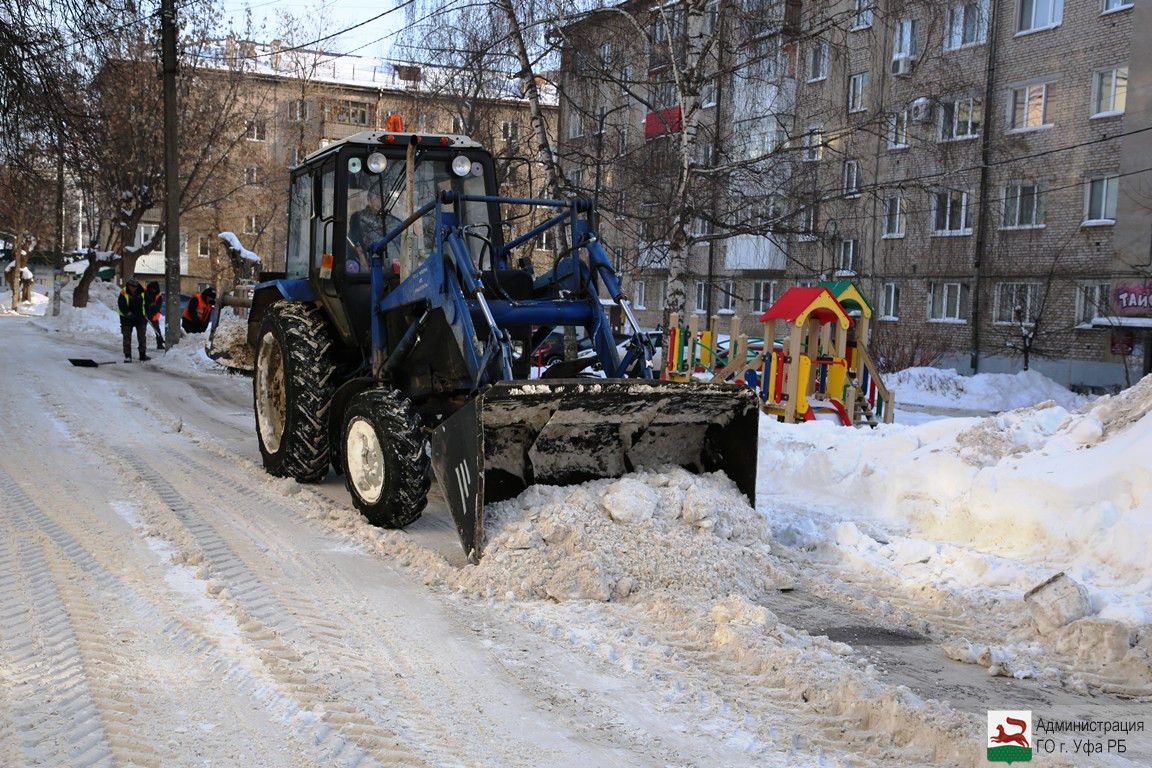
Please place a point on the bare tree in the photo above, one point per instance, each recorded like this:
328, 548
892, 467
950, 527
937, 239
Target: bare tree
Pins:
122, 157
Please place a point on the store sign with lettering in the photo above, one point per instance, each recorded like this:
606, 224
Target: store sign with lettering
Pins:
1133, 300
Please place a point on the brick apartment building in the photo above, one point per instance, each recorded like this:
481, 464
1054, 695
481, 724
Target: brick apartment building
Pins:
982, 170
297, 101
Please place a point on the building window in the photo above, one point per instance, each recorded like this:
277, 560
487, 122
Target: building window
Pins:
256, 130
851, 178
351, 112
818, 62
1039, 14
846, 257
701, 226
728, 298
857, 84
950, 213
575, 125
708, 94
639, 294
458, 126
809, 220
145, 233
1092, 302
961, 119
511, 132
298, 110
967, 25
891, 306
251, 225
250, 174
813, 144
546, 240
906, 44
1100, 200
864, 13
203, 246
947, 301
1029, 107
894, 217
1109, 92
701, 298
898, 135
294, 157
1023, 205
1116, 5
1017, 303
763, 295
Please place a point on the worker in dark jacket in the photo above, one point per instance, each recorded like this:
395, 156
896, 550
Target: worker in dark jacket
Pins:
153, 303
133, 316
199, 309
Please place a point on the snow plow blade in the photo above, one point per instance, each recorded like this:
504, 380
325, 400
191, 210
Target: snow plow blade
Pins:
562, 432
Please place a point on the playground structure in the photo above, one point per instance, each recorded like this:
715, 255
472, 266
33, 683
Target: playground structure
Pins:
819, 369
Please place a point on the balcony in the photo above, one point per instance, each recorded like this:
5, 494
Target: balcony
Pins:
753, 252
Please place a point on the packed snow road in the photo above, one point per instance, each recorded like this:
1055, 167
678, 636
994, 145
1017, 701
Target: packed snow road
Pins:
164, 602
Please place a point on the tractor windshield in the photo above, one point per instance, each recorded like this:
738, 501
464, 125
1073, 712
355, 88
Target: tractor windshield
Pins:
380, 198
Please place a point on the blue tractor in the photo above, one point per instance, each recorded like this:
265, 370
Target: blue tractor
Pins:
395, 346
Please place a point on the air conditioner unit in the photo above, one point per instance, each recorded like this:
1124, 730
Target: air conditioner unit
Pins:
921, 110
902, 66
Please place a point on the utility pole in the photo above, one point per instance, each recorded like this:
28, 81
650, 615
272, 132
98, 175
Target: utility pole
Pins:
58, 266
171, 177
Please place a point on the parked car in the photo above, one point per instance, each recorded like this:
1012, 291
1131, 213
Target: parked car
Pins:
551, 350
624, 339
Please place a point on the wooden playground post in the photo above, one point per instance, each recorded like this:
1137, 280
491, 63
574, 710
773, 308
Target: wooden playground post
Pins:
795, 338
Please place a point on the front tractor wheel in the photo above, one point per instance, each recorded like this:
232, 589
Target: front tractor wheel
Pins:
292, 391
386, 466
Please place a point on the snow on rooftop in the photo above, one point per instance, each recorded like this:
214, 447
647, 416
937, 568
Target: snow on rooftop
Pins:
363, 71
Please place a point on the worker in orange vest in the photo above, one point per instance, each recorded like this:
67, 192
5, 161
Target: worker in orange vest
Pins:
199, 309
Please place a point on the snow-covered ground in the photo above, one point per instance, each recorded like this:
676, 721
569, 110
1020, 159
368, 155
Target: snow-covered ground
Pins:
867, 611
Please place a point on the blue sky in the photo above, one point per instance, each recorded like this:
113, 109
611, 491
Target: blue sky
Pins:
322, 18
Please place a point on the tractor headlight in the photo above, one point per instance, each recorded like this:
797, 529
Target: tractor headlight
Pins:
377, 162
461, 165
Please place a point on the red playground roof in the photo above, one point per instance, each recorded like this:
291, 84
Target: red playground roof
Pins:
797, 305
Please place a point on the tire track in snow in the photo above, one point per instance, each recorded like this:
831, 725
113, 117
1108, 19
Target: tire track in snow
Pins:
377, 655
329, 747
54, 714
270, 622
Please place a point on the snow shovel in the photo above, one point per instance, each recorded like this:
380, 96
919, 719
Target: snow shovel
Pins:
84, 362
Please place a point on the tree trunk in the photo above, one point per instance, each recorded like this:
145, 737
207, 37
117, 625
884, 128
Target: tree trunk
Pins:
80, 293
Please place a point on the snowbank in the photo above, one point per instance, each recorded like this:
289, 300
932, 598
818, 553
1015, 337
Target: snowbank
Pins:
989, 502
940, 388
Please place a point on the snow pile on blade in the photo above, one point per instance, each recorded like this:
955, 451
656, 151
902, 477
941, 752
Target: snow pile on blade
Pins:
608, 539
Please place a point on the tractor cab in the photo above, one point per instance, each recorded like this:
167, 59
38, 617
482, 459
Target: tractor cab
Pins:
348, 196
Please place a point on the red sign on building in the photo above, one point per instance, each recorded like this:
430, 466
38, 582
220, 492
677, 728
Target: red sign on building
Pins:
662, 121
1133, 300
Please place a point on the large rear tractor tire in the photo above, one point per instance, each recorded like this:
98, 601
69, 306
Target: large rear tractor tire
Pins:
386, 465
292, 390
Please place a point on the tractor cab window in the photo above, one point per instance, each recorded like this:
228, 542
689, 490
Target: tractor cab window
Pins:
376, 206
299, 223
380, 199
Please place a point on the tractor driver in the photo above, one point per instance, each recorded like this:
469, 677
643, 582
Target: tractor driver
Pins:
366, 226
